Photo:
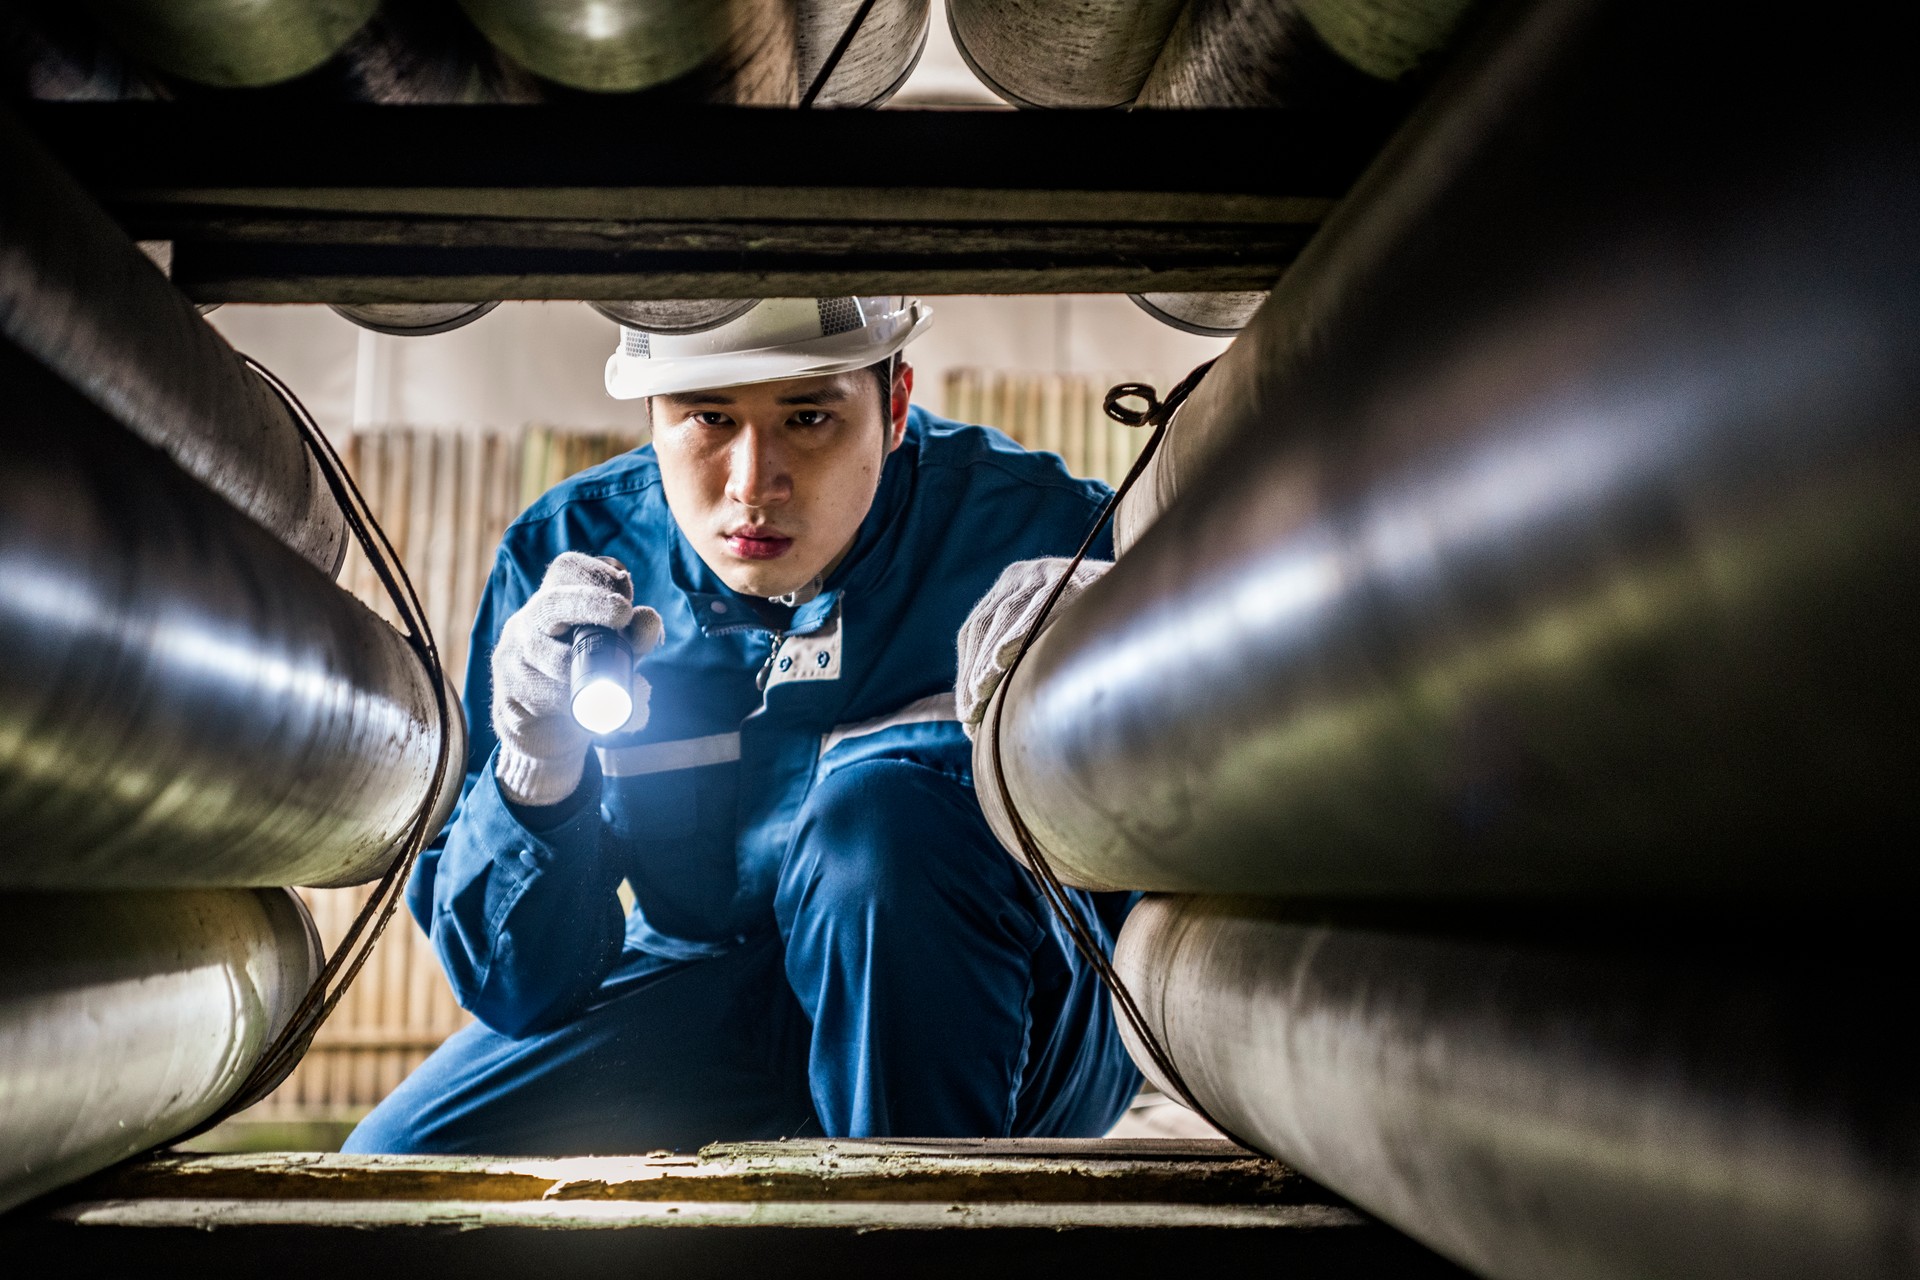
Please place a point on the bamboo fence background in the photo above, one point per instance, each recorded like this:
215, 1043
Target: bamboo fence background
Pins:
444, 499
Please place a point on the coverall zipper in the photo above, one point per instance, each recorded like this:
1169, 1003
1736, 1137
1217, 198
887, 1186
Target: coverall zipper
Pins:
766, 668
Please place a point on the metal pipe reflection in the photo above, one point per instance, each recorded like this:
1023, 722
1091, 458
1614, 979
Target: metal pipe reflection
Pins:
1556, 535
184, 701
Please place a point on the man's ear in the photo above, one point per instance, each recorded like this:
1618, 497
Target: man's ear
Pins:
902, 397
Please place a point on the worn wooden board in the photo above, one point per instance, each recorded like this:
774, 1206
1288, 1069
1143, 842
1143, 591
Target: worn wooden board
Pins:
823, 1207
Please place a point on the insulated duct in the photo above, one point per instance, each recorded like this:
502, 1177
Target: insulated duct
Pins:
232, 44
185, 702
738, 51
1561, 529
76, 295
128, 1018
1538, 1109
880, 57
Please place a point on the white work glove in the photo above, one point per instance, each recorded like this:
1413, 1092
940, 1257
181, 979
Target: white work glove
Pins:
994, 631
542, 751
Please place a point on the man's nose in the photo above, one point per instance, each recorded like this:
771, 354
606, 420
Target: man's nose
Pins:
757, 470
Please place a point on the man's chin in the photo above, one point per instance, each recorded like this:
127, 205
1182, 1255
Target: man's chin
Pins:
759, 579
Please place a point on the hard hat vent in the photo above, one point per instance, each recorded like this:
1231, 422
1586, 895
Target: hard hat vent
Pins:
838, 315
634, 343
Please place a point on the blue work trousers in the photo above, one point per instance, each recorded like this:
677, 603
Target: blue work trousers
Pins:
913, 984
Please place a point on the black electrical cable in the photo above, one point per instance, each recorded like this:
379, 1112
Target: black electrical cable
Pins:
840, 47
1157, 414
290, 1045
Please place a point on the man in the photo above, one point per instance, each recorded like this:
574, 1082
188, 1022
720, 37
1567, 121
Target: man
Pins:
825, 938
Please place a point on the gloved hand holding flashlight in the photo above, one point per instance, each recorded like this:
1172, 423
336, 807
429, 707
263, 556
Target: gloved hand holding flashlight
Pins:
581, 619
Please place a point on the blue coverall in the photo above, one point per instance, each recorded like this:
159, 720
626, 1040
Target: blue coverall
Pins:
827, 938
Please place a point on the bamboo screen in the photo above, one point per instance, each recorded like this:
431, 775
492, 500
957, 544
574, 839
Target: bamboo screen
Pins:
444, 498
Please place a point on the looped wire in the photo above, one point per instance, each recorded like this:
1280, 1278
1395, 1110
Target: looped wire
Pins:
286, 1049
1157, 414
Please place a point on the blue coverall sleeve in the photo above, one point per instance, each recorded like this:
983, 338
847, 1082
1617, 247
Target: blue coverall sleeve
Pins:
520, 904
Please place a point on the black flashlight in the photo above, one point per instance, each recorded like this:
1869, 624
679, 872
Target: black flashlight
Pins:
600, 676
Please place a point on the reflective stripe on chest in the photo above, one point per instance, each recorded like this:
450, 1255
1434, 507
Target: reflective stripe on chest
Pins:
666, 757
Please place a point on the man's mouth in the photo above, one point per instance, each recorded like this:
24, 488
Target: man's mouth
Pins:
754, 543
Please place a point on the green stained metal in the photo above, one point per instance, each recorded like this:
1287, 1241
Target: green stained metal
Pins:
617, 46
233, 44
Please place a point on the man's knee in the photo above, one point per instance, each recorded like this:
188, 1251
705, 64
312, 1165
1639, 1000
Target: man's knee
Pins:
893, 835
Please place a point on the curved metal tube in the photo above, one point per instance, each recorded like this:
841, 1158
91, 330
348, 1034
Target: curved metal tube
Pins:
79, 297
1092, 53
184, 702
878, 61
128, 1018
1210, 315
413, 319
1326, 54
233, 44
1565, 538
419, 54
739, 51
1535, 1110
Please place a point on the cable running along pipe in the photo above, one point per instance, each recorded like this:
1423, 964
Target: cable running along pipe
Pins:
287, 1048
1157, 414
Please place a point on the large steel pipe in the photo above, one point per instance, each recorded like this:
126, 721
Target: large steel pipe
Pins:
79, 297
1544, 1110
740, 51
233, 44
878, 59
1566, 537
184, 702
1091, 53
1353, 57
128, 1018
1326, 54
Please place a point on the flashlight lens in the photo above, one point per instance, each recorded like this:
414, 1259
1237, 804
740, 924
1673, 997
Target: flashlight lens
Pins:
602, 706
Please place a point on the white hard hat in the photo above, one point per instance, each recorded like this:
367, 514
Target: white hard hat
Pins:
701, 345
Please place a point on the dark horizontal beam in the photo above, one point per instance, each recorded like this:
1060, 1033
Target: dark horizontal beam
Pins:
291, 145
306, 202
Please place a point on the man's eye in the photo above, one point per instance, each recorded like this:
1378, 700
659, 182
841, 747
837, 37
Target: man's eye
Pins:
711, 418
809, 418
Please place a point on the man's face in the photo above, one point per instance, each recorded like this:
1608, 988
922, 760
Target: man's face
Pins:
770, 482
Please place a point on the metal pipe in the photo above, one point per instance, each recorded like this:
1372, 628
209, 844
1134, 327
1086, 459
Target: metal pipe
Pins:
1564, 538
1211, 315
128, 1018
51, 52
413, 319
184, 701
877, 62
1323, 54
1092, 53
739, 51
80, 298
415, 53
232, 44
1353, 57
1536, 1108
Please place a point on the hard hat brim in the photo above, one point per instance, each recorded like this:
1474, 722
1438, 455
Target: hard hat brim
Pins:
633, 378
